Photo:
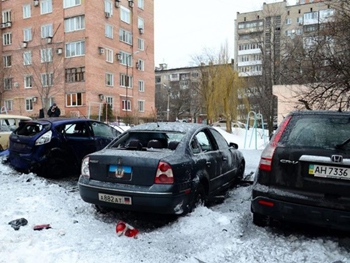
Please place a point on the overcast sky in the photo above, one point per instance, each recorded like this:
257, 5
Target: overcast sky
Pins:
185, 28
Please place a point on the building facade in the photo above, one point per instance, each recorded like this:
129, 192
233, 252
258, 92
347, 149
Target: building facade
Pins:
79, 54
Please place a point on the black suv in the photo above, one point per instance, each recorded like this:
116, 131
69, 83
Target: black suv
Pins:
304, 172
54, 147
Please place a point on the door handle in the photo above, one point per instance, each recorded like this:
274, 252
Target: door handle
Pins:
208, 163
224, 158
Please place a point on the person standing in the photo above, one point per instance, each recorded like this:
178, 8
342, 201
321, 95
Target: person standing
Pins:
54, 111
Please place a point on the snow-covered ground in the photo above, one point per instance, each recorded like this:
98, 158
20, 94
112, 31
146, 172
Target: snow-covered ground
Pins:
220, 233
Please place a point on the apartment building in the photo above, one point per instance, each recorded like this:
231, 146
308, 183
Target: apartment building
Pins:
79, 54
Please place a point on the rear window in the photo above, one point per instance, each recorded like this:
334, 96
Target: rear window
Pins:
321, 131
30, 129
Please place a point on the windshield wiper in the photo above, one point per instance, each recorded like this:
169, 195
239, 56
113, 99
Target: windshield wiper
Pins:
341, 145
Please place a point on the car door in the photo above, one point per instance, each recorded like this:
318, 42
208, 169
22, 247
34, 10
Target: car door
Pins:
103, 134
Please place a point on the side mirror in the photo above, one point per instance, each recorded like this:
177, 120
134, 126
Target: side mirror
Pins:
233, 145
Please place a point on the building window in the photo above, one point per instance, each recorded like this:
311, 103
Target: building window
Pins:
126, 59
28, 81
141, 104
27, 34
74, 24
125, 14
29, 104
6, 16
71, 3
75, 49
140, 65
74, 99
126, 105
7, 61
75, 74
109, 101
140, 23
46, 31
141, 4
125, 36
140, 44
45, 6
7, 83
9, 105
109, 31
125, 81
109, 55
27, 58
288, 21
108, 7
46, 55
109, 79
46, 79
141, 86
27, 13
7, 39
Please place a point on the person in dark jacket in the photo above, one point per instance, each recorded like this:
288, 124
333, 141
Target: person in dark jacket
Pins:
54, 111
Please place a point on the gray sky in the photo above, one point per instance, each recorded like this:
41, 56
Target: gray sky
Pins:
185, 28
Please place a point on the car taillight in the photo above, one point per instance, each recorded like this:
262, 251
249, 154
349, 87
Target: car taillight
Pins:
164, 174
43, 139
85, 171
267, 155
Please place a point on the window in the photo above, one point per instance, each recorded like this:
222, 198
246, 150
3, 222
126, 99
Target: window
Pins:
140, 23
29, 104
46, 79
6, 16
125, 36
108, 7
288, 21
27, 11
125, 81
109, 79
75, 74
126, 105
74, 49
7, 39
141, 86
27, 34
109, 101
28, 81
45, 6
140, 44
109, 31
74, 99
141, 4
140, 64
141, 104
46, 31
9, 105
27, 58
7, 61
46, 55
125, 14
7, 83
71, 3
126, 59
109, 55
74, 24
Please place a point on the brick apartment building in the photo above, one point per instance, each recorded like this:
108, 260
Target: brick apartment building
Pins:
80, 54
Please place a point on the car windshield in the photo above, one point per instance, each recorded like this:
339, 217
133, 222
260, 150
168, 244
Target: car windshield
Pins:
143, 140
317, 131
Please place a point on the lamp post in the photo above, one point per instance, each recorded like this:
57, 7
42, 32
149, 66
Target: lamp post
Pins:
168, 104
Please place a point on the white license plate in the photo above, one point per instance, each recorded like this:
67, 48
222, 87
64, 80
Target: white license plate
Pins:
329, 171
116, 199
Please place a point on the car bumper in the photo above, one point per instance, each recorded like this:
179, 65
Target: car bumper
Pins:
143, 199
300, 213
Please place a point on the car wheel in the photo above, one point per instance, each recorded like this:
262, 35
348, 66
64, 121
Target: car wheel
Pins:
199, 197
55, 167
260, 220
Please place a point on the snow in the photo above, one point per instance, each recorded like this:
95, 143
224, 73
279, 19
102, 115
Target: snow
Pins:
220, 233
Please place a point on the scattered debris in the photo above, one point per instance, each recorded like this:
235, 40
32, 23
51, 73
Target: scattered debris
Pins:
125, 229
17, 223
41, 227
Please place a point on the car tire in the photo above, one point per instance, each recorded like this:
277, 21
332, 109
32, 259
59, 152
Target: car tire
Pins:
55, 168
199, 197
260, 220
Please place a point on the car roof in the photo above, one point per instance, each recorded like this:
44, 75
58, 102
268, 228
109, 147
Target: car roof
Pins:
60, 120
319, 112
182, 127
11, 116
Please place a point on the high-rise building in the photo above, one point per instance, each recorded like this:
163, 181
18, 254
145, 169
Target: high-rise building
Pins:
81, 54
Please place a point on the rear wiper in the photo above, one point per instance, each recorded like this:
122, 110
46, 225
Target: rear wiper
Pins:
341, 145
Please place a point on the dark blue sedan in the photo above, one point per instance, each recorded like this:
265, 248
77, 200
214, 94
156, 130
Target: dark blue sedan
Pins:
162, 168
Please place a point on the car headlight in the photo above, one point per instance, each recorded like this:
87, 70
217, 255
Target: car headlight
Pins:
45, 138
85, 171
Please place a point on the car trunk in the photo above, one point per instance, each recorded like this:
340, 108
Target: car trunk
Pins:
312, 175
126, 166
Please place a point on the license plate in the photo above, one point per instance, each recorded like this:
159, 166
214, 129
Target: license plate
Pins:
329, 171
116, 199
